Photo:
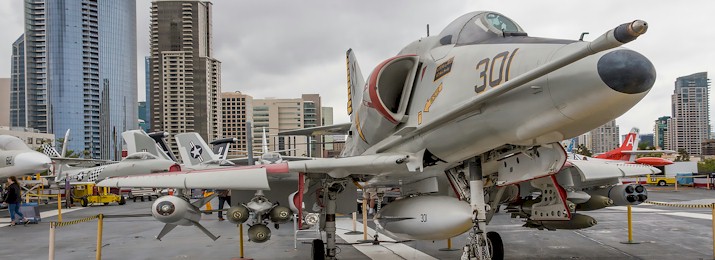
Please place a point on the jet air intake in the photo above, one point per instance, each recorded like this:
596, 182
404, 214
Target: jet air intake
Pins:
384, 103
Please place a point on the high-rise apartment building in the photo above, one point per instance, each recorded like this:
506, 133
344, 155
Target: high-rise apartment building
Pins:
18, 117
237, 109
660, 132
690, 123
79, 66
278, 115
605, 137
185, 78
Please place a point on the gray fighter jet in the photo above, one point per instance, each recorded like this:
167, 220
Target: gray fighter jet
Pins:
18, 159
484, 104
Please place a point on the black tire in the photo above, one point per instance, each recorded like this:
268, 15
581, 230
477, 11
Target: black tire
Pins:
84, 202
122, 201
662, 183
318, 250
497, 245
106, 203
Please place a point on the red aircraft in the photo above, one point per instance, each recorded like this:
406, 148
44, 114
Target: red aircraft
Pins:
629, 150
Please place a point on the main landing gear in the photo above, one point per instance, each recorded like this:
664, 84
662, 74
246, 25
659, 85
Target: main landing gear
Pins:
481, 245
328, 250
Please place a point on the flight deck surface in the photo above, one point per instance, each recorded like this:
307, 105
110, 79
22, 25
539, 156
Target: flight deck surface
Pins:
664, 233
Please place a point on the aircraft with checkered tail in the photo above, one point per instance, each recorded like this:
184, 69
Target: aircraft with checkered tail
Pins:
136, 163
485, 105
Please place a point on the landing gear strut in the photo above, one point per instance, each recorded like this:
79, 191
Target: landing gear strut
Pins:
331, 189
481, 245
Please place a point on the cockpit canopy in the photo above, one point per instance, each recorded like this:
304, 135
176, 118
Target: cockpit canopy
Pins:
10, 143
271, 157
141, 156
476, 27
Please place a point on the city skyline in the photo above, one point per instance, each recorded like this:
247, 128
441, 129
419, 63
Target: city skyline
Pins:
295, 51
73, 69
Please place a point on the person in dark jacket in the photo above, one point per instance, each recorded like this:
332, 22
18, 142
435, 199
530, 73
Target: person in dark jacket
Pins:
223, 196
13, 199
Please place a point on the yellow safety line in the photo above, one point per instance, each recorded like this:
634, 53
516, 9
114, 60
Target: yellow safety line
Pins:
72, 222
679, 205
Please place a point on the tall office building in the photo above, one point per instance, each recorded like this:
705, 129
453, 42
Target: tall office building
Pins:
312, 117
185, 79
80, 72
691, 115
18, 117
5, 91
605, 138
660, 132
237, 109
286, 114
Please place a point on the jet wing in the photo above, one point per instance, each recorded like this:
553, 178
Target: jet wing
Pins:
363, 164
649, 151
239, 178
319, 130
594, 170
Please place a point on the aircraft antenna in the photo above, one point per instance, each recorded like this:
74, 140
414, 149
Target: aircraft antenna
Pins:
582, 35
427, 30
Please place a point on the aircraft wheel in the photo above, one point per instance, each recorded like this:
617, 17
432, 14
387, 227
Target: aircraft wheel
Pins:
662, 183
496, 245
84, 202
122, 201
318, 250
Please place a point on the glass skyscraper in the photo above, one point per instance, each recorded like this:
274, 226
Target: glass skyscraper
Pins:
17, 84
80, 65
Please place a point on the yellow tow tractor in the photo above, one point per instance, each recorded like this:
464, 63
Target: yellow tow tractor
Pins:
86, 193
660, 180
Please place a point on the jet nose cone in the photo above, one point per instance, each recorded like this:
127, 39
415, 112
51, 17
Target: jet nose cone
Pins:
33, 160
626, 71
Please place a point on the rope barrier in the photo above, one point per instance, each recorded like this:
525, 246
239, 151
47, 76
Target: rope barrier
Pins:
73, 222
680, 205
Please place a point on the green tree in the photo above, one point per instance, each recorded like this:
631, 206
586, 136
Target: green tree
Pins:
583, 150
683, 156
706, 166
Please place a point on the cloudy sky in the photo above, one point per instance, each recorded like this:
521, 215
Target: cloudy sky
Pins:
285, 48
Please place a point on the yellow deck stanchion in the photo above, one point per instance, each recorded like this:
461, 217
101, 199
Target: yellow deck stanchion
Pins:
630, 227
449, 246
100, 226
364, 215
241, 240
51, 254
59, 207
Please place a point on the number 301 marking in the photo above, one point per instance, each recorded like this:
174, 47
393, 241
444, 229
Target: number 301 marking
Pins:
486, 72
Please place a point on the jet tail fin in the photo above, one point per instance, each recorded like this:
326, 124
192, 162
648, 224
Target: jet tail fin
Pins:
221, 147
167, 228
355, 84
193, 149
140, 141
